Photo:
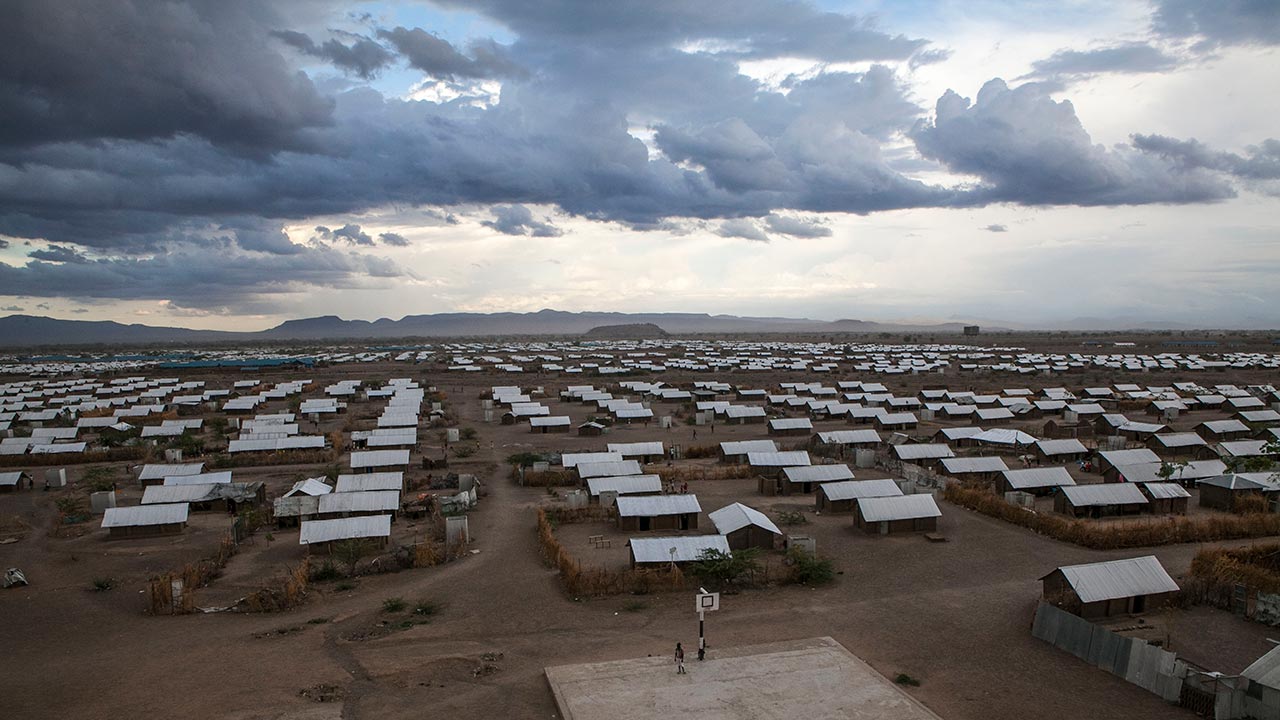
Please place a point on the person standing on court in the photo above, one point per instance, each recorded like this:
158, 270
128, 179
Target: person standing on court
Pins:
680, 660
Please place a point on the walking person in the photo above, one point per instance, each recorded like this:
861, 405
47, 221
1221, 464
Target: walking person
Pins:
680, 660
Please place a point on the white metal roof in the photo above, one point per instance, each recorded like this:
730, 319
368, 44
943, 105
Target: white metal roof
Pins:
962, 465
311, 487
1067, 446
731, 518
1040, 477
371, 501
1105, 494
379, 458
365, 482
606, 469
1180, 439
858, 489
850, 437
688, 548
778, 459
1165, 490
636, 449
743, 447
214, 478
142, 515
650, 506
569, 460
550, 421
903, 507
1129, 457
1266, 669
1095, 582
625, 484
817, 473
364, 526
1002, 436
156, 471
926, 451
790, 424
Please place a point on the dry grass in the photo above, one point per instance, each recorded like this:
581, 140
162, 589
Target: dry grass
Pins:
547, 478
711, 472
1256, 566
291, 592
1165, 531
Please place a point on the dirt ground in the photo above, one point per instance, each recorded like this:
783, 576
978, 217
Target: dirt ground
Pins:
956, 615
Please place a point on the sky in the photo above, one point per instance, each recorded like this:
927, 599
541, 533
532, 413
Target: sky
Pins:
230, 164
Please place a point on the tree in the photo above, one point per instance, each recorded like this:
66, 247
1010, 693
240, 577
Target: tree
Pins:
349, 552
721, 569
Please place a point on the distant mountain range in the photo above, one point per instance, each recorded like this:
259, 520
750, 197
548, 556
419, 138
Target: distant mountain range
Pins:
30, 331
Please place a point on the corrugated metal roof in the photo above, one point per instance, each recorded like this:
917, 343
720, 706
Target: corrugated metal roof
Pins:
364, 526
11, 478
366, 482
1068, 446
379, 458
858, 489
1241, 481
1129, 457
371, 501
1041, 477
688, 548
1000, 436
850, 437
217, 477
1115, 579
734, 517
635, 449
790, 424
1266, 669
817, 473
650, 506
311, 487
625, 484
156, 471
569, 460
962, 465
778, 459
923, 452
742, 447
143, 515
904, 507
1165, 490
1224, 426
1105, 494
607, 469
1180, 439
550, 421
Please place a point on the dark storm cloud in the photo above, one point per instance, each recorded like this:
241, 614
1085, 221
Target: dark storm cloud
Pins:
349, 233
742, 228
1261, 162
1030, 149
4, 244
146, 70
363, 57
1133, 57
188, 134
745, 28
439, 58
194, 276
519, 220
393, 239
59, 254
1226, 22
796, 227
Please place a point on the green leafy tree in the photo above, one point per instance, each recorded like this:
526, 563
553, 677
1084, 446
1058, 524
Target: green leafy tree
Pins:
721, 569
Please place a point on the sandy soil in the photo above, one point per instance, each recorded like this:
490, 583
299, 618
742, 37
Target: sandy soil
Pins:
956, 615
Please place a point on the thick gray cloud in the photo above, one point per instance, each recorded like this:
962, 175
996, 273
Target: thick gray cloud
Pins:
440, 59
519, 220
349, 233
149, 69
191, 132
1259, 167
796, 227
1225, 22
1132, 57
364, 57
996, 228
195, 276
393, 239
13, 308
59, 254
742, 228
1028, 148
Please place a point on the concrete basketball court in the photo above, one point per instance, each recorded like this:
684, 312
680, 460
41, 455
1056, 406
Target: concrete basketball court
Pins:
812, 679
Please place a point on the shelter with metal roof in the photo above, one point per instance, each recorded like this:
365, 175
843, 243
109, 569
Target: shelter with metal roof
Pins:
658, 512
1115, 587
1100, 500
660, 551
145, 520
904, 513
839, 497
745, 527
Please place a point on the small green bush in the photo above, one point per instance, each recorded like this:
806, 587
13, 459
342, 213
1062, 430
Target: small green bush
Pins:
393, 605
807, 569
103, 584
905, 679
426, 607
